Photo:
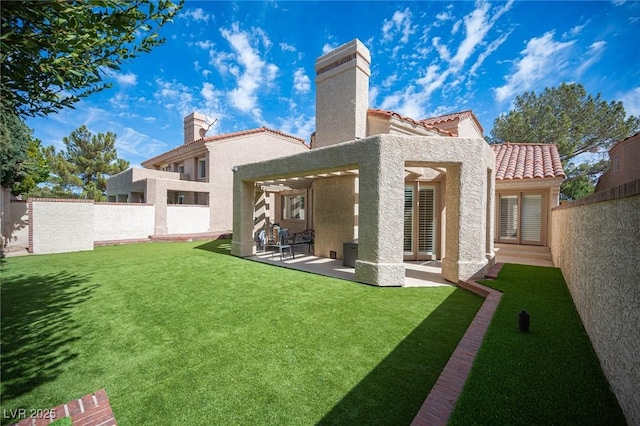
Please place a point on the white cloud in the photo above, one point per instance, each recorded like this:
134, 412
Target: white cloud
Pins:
126, 79
328, 47
298, 125
286, 47
205, 44
132, 142
574, 31
631, 101
399, 24
250, 70
196, 14
537, 62
301, 82
488, 51
442, 49
444, 16
176, 96
593, 55
389, 81
477, 25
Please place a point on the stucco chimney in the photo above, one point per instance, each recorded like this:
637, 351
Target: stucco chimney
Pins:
342, 94
194, 127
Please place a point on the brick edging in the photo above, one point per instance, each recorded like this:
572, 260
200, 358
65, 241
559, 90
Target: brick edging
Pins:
440, 402
90, 410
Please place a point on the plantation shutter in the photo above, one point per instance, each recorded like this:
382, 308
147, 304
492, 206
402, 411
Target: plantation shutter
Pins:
531, 217
408, 218
426, 220
508, 217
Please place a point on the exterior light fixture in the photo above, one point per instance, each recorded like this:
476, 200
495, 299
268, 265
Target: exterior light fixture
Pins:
523, 321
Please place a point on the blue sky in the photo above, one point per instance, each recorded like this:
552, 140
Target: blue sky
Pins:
251, 64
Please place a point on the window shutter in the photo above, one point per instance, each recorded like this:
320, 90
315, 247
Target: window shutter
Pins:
408, 219
509, 217
531, 217
426, 220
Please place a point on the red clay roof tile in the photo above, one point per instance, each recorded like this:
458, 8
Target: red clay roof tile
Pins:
388, 114
527, 161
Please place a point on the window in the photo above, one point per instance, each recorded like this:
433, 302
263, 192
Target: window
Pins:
181, 168
293, 207
202, 169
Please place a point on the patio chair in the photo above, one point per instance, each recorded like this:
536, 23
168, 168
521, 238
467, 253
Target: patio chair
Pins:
305, 237
282, 244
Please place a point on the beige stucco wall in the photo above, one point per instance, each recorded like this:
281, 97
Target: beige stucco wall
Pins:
122, 221
61, 226
235, 152
334, 214
185, 219
597, 246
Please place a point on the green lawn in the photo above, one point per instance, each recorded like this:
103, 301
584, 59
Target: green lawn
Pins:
186, 334
550, 375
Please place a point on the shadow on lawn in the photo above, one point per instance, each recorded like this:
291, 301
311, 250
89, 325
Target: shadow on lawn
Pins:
37, 328
393, 392
220, 246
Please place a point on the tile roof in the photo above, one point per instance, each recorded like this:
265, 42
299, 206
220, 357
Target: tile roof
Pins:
224, 136
388, 114
527, 161
247, 132
453, 116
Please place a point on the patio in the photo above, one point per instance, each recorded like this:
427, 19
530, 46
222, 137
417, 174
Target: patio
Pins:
417, 274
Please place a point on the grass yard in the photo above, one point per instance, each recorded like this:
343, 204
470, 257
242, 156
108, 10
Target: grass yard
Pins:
550, 375
186, 334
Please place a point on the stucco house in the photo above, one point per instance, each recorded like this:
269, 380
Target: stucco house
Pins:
625, 164
405, 189
199, 172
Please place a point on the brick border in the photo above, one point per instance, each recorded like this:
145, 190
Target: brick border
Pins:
90, 410
440, 402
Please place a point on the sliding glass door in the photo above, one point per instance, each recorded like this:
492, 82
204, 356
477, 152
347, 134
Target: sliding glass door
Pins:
521, 218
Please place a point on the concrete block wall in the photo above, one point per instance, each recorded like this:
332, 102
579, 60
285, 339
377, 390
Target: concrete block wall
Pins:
122, 221
60, 226
183, 219
596, 244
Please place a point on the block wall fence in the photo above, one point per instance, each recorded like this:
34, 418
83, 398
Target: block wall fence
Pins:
596, 244
44, 226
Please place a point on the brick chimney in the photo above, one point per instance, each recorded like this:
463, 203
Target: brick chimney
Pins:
342, 94
194, 127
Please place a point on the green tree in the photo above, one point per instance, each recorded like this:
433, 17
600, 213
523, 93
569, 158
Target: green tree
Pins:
53, 53
577, 122
82, 168
23, 163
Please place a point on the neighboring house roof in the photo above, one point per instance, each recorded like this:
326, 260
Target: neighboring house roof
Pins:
225, 136
527, 161
389, 114
452, 117
247, 132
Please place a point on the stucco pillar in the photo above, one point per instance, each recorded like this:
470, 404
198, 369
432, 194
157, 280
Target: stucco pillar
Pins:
157, 195
381, 222
465, 252
243, 218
